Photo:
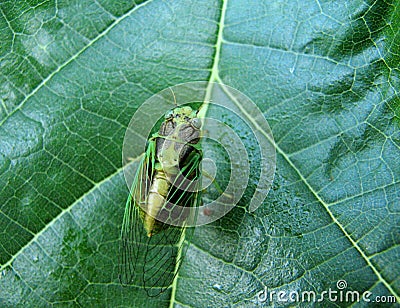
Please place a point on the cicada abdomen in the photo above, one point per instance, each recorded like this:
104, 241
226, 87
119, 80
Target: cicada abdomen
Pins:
163, 195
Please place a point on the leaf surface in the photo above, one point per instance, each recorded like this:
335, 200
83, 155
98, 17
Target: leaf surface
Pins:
324, 74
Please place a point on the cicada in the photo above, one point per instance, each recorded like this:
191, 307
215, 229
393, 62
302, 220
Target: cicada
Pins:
164, 195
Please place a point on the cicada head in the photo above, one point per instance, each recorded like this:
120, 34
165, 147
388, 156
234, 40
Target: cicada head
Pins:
181, 124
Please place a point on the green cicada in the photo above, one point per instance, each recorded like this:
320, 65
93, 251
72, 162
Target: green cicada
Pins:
164, 194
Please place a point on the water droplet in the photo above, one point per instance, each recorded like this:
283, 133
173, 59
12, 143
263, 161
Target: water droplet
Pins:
257, 232
217, 287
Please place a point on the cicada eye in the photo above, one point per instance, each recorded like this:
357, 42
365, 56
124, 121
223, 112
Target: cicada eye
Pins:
196, 123
169, 115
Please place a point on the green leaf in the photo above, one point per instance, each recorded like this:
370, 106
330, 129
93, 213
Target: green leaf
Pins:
324, 74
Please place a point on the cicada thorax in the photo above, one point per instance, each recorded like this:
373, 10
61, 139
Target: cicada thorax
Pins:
159, 195
175, 144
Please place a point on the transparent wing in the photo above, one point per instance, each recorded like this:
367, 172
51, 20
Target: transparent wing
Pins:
133, 235
167, 249
153, 262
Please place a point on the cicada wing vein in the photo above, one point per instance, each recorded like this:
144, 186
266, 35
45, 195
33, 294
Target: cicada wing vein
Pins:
133, 235
153, 262
167, 249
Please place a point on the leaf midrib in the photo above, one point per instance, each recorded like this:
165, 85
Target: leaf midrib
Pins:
213, 77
